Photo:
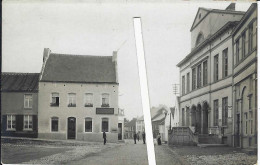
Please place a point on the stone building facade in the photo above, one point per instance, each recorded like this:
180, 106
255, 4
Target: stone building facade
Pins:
19, 104
206, 74
78, 97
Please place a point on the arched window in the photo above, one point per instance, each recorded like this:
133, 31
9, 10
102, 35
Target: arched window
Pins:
54, 124
105, 125
88, 124
200, 38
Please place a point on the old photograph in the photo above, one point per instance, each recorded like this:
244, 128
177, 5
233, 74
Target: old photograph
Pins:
202, 75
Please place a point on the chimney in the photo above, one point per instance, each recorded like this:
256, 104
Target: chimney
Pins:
46, 53
232, 6
114, 58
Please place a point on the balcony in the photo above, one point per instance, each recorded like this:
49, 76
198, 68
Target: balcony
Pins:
71, 105
54, 104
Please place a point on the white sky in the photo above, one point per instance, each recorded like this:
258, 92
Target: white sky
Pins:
100, 28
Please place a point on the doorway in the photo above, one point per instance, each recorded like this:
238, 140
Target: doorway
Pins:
119, 131
71, 128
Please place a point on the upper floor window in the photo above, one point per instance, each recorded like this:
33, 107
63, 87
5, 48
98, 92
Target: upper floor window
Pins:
88, 124
11, 122
183, 85
243, 45
28, 101
216, 67
237, 51
216, 113
55, 99
88, 99
188, 82
105, 100
200, 38
193, 78
199, 76
224, 111
250, 40
72, 100
225, 62
205, 73
54, 124
28, 123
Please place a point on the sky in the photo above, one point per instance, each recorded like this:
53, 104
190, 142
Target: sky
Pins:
99, 28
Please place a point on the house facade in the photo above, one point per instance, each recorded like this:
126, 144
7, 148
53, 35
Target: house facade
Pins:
245, 80
140, 128
206, 75
19, 104
130, 129
78, 97
121, 119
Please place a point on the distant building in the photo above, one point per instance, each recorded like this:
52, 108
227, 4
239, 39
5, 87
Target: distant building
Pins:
140, 125
19, 104
218, 77
130, 129
78, 97
158, 121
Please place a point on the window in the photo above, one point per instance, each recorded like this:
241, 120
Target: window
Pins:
183, 85
89, 100
72, 100
215, 112
88, 124
243, 45
246, 125
27, 122
55, 100
251, 121
205, 73
104, 125
183, 117
28, 101
188, 82
225, 63
199, 76
11, 122
54, 124
224, 111
250, 40
237, 51
216, 67
200, 38
193, 78
105, 100
250, 102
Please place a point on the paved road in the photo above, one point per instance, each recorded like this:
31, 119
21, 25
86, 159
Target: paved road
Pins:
165, 156
128, 154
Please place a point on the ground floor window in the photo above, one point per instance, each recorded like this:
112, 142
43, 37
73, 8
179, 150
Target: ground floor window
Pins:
88, 124
11, 122
104, 125
28, 124
54, 124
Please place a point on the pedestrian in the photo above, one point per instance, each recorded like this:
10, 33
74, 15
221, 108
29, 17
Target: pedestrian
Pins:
105, 137
135, 137
159, 142
138, 135
143, 137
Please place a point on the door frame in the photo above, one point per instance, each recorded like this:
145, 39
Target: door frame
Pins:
75, 128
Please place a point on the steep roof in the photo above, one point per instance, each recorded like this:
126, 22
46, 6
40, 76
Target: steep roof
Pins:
19, 82
79, 68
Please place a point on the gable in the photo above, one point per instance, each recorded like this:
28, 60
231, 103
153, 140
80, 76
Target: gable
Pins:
201, 14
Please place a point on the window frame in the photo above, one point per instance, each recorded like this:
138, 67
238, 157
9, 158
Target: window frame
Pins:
75, 98
52, 104
199, 76
237, 51
108, 129
243, 47
188, 82
28, 122
85, 125
52, 119
225, 63
216, 112
224, 111
183, 85
13, 126
216, 67
90, 103
250, 37
25, 100
205, 72
193, 78
108, 102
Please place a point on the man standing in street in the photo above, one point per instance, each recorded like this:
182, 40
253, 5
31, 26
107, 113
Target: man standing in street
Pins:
104, 137
143, 137
135, 137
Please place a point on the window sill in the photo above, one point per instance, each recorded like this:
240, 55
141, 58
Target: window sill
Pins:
27, 130
54, 131
88, 132
10, 129
27, 108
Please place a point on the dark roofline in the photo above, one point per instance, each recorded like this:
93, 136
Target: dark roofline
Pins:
244, 18
80, 82
81, 55
209, 39
214, 11
18, 73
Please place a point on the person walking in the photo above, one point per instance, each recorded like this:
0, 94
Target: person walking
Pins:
105, 137
159, 142
138, 135
143, 137
135, 137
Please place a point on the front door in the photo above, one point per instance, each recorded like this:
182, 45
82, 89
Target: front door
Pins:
119, 131
71, 128
238, 131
